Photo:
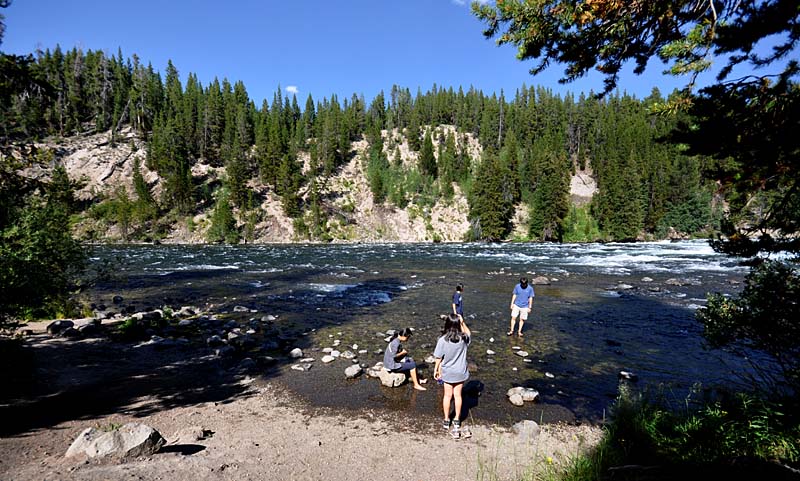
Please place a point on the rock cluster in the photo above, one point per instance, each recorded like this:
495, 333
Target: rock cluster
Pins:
519, 395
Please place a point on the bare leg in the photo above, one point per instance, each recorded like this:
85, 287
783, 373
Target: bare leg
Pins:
511, 329
417, 385
521, 322
457, 396
448, 395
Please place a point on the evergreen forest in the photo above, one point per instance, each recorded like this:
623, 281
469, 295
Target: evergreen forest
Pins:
531, 144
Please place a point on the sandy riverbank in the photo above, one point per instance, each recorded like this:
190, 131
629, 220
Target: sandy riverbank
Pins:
260, 430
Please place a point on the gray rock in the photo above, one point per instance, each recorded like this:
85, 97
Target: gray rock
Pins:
526, 430
623, 287
301, 367
515, 390
353, 371
391, 379
71, 333
628, 376
335, 353
240, 309
224, 351
540, 281
90, 330
246, 364
490, 352
296, 353
268, 318
307, 359
521, 353
117, 299
214, 341
347, 355
327, 358
57, 327
129, 441
549, 375
516, 399
155, 315
529, 394
647, 279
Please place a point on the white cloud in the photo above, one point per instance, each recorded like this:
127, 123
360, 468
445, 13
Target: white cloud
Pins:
460, 2
292, 89
467, 2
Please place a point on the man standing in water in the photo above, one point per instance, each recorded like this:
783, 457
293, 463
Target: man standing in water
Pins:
521, 304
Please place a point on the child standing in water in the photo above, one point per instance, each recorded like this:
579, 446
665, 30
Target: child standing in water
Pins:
395, 354
458, 300
451, 368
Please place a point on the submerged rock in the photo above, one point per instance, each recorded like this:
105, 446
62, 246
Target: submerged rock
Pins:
296, 353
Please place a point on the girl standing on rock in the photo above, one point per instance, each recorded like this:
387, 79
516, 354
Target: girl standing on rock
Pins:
394, 358
451, 369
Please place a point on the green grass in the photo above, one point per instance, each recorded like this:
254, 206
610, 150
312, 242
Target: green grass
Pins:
652, 437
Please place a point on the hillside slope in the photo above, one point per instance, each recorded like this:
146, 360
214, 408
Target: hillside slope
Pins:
352, 215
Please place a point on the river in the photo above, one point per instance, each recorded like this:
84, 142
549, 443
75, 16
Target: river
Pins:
609, 307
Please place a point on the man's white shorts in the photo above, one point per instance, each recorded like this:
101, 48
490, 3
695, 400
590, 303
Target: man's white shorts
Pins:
522, 312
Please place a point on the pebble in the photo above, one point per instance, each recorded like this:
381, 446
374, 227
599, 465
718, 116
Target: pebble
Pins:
327, 359
298, 367
335, 353
490, 352
549, 375
307, 359
491, 339
521, 353
516, 348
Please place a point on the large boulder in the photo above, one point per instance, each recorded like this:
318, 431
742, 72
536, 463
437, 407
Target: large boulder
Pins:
129, 441
391, 379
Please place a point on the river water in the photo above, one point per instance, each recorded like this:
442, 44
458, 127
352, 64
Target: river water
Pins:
609, 307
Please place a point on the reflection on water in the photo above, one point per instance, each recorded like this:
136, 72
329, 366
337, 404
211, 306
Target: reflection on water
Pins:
609, 307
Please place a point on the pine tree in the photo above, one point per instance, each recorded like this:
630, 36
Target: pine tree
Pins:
490, 203
223, 225
427, 160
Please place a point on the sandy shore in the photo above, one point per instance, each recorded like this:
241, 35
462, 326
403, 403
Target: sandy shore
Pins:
258, 429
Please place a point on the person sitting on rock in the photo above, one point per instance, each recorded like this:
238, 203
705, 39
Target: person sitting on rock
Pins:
451, 368
395, 360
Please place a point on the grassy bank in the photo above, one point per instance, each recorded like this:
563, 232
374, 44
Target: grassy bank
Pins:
655, 436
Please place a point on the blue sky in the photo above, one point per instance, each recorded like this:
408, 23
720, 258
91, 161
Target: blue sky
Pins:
318, 47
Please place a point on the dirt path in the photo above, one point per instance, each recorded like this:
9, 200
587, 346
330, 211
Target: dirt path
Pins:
260, 430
